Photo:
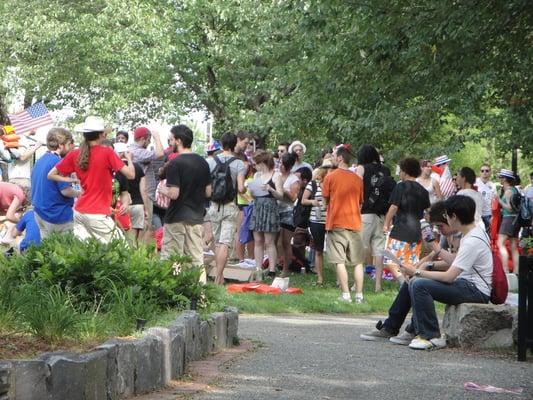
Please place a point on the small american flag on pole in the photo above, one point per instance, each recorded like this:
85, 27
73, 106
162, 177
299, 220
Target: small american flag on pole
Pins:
30, 119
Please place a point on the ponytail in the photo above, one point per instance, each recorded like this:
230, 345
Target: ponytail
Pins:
83, 158
85, 149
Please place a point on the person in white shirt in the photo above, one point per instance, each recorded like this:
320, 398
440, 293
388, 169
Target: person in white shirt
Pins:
486, 189
468, 280
19, 171
466, 177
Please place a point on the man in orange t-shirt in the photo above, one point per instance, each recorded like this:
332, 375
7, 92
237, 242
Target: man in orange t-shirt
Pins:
342, 191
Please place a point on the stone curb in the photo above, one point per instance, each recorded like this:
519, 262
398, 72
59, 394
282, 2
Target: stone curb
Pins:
118, 369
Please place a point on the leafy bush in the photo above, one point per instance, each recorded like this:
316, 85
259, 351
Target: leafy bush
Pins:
90, 270
70, 287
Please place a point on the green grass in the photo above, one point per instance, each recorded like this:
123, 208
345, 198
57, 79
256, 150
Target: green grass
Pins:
314, 299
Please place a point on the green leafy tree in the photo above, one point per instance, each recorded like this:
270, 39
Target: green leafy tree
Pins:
405, 76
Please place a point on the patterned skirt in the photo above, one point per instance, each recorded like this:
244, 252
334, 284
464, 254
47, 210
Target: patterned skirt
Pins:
265, 215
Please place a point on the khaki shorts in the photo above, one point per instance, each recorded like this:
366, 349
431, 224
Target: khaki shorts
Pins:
137, 216
345, 247
46, 228
185, 239
223, 219
373, 236
100, 226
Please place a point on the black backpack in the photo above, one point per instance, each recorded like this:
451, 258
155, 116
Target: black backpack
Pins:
223, 191
521, 205
301, 213
381, 186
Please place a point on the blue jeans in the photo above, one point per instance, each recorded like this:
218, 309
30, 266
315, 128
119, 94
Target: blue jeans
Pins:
398, 310
425, 291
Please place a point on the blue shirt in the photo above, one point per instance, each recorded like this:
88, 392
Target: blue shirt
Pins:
32, 235
46, 197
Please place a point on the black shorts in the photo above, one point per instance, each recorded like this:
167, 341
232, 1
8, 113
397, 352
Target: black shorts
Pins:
318, 232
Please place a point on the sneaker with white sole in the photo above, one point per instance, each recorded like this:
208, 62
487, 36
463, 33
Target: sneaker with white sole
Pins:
344, 300
376, 334
423, 344
404, 338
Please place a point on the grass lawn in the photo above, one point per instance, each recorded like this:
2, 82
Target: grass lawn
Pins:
322, 299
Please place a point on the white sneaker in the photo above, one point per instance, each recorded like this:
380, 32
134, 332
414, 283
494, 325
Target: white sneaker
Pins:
405, 338
424, 344
243, 264
344, 300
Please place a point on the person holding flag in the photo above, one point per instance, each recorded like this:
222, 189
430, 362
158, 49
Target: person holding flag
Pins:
24, 124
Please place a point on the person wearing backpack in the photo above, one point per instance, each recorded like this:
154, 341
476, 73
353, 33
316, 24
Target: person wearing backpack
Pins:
527, 214
439, 259
467, 280
508, 230
227, 179
378, 186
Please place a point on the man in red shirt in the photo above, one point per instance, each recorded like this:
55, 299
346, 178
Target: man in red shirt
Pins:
342, 191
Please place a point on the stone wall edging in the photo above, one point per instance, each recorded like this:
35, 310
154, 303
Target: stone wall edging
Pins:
118, 368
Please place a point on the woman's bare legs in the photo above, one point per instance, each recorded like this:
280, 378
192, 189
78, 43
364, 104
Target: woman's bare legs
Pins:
503, 252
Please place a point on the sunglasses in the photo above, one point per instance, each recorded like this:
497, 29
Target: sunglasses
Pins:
485, 170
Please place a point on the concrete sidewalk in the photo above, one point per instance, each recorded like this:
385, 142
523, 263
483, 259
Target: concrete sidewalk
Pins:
322, 357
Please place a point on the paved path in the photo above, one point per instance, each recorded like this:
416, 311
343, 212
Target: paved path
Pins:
322, 357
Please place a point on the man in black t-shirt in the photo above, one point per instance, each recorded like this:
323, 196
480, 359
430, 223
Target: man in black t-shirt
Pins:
188, 186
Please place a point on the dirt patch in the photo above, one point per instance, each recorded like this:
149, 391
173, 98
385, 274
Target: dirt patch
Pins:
19, 346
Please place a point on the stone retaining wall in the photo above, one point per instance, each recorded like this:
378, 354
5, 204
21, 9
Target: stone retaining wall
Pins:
118, 369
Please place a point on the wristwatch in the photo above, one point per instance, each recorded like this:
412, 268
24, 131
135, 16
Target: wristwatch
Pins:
431, 265
417, 272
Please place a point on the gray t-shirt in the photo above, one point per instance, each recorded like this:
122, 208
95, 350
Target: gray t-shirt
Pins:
236, 167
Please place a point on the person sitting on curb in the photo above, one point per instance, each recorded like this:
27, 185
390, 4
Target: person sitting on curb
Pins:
468, 280
401, 305
12, 201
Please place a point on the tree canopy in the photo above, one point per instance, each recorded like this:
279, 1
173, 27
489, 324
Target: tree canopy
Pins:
406, 76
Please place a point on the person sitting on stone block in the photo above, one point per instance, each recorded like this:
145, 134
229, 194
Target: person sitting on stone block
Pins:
468, 280
401, 305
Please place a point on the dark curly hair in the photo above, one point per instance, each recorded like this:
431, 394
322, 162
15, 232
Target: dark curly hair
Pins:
411, 166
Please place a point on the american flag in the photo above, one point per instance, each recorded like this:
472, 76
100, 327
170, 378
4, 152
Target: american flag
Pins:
30, 119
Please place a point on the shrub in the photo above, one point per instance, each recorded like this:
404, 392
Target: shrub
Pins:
67, 283
90, 269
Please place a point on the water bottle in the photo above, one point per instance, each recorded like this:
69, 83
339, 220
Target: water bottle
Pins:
425, 227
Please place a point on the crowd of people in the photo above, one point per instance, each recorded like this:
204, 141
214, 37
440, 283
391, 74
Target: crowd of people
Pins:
110, 188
